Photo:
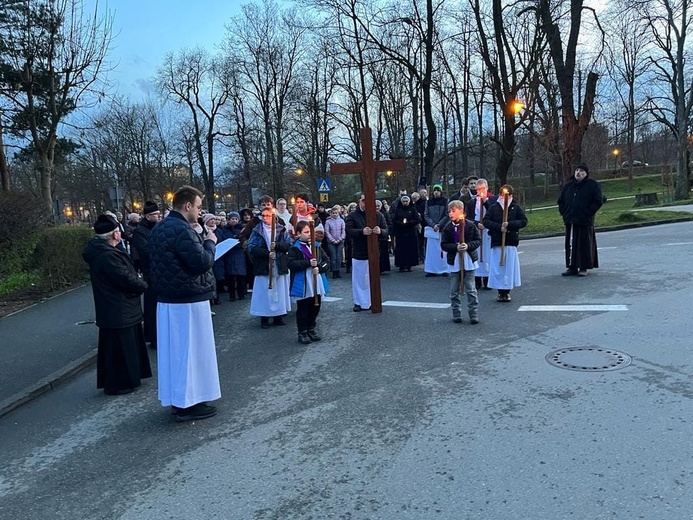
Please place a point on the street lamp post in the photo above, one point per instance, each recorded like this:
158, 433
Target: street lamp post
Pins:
616, 153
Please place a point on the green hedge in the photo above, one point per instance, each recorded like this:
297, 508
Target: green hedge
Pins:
59, 255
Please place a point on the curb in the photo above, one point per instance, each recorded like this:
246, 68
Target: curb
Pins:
49, 383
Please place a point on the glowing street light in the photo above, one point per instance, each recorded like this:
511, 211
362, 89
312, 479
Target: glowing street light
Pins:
616, 153
516, 106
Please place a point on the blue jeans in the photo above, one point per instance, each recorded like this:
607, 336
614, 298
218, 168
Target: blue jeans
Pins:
335, 251
470, 289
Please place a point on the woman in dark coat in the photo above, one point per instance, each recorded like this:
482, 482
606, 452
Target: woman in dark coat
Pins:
235, 265
384, 245
580, 200
405, 222
122, 359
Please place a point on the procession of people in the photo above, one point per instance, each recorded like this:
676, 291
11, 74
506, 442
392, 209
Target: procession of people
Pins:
281, 254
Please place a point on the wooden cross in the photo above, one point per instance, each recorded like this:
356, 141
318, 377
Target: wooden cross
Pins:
367, 167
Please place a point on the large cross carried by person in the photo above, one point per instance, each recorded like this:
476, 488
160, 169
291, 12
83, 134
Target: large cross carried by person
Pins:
368, 168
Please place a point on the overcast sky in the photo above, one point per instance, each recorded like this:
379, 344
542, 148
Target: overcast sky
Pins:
146, 30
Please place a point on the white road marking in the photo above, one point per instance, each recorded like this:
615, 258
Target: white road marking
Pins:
331, 299
604, 248
572, 308
680, 244
417, 305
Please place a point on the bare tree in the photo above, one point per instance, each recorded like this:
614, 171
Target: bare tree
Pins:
564, 58
52, 54
199, 81
628, 67
671, 23
266, 43
511, 52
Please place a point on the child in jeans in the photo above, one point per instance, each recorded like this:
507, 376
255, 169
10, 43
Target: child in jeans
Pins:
462, 260
304, 283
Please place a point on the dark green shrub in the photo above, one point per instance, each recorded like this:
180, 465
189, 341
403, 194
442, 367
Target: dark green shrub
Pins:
59, 255
21, 221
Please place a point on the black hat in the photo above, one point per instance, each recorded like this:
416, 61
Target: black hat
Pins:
150, 207
105, 224
583, 166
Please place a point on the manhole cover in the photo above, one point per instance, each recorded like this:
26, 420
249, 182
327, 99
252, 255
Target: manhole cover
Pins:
588, 359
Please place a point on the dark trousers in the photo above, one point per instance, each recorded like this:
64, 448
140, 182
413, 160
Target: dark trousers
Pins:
307, 313
149, 309
236, 285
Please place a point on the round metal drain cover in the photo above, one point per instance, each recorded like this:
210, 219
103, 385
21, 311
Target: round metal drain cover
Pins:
588, 359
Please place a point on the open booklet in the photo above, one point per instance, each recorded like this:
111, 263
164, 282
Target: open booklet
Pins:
224, 247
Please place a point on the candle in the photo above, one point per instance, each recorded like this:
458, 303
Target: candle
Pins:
314, 254
505, 219
461, 241
273, 233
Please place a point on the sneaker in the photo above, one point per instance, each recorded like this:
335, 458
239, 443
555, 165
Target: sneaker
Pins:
582, 272
457, 320
569, 272
357, 308
303, 338
313, 335
196, 412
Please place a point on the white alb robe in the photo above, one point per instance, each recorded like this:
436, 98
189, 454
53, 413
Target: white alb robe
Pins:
360, 283
507, 276
436, 259
270, 302
484, 251
186, 354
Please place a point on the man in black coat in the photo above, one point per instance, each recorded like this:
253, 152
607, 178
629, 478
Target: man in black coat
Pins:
122, 359
358, 232
579, 202
139, 245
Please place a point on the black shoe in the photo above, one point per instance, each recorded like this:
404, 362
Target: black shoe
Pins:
313, 335
334, 275
569, 272
445, 275
457, 320
303, 338
216, 301
279, 321
474, 321
428, 275
339, 274
264, 323
194, 413
241, 296
357, 308
478, 282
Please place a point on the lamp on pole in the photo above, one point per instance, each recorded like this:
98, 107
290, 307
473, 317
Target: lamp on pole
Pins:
616, 153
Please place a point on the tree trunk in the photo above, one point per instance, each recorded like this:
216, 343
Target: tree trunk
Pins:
4, 167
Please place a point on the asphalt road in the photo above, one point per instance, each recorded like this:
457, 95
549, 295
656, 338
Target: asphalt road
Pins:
401, 415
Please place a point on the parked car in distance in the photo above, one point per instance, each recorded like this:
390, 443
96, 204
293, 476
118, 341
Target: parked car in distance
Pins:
626, 164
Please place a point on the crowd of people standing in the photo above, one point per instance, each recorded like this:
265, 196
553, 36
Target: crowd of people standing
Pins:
182, 264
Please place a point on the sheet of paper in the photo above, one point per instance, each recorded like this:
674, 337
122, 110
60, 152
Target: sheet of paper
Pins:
224, 247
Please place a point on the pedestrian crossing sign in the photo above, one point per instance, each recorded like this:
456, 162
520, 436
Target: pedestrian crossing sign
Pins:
324, 197
324, 186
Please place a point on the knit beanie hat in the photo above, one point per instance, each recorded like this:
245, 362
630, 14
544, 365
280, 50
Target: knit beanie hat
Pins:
105, 224
150, 207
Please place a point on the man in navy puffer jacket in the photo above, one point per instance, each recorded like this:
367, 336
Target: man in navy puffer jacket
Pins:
181, 272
